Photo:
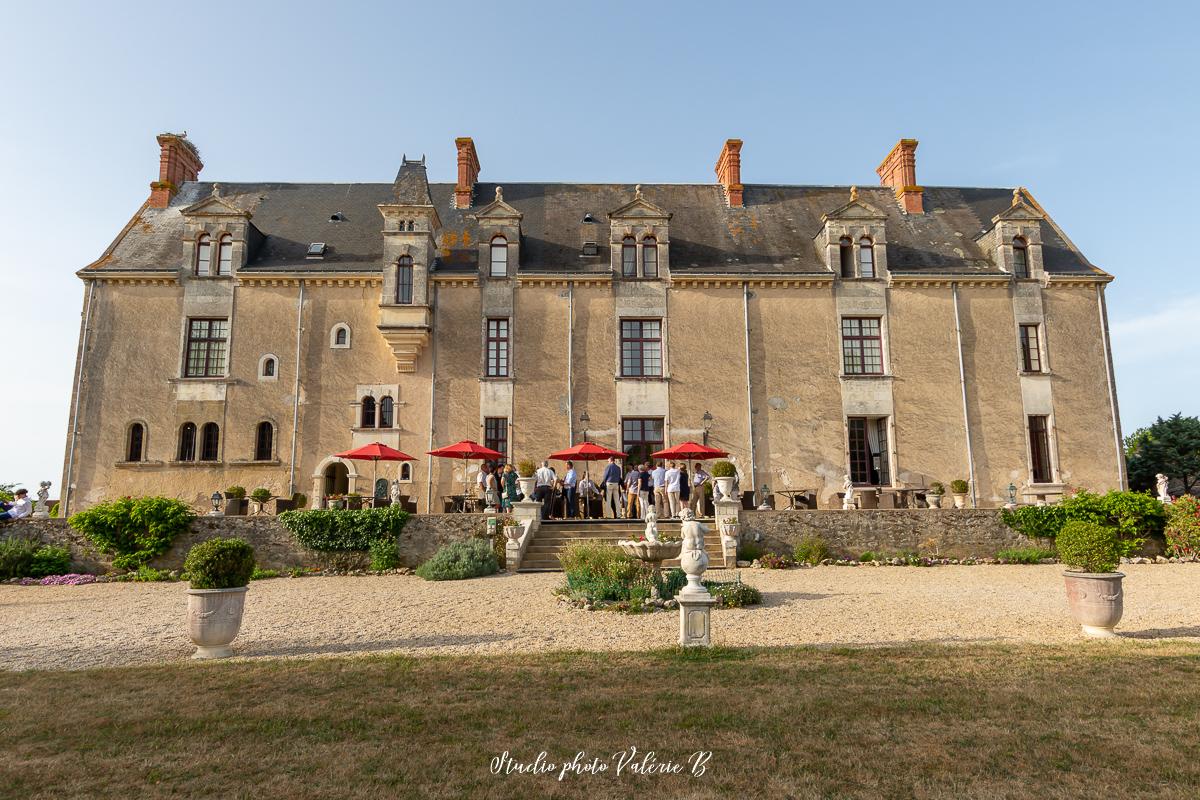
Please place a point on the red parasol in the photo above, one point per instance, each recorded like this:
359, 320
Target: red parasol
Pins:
466, 450
375, 452
690, 451
586, 452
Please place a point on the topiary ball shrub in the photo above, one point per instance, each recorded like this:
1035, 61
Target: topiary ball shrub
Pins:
220, 564
1088, 547
811, 550
959, 486
526, 468
724, 469
461, 560
260, 495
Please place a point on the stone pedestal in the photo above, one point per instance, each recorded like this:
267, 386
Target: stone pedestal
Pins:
695, 618
528, 510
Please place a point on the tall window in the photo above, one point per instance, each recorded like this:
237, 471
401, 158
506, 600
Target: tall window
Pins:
404, 280
264, 441
866, 258
137, 435
225, 255
868, 447
207, 344
387, 411
1039, 448
203, 254
368, 412
495, 434
846, 257
187, 442
862, 346
1020, 258
499, 257
210, 438
629, 257
1031, 356
649, 257
641, 348
640, 438
497, 348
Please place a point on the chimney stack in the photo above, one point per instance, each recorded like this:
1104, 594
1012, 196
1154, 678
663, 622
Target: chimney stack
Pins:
729, 172
899, 171
178, 163
468, 171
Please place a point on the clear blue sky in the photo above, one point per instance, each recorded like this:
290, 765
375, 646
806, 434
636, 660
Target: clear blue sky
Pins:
1092, 106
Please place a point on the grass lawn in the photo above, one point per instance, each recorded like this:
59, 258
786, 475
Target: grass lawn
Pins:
1097, 719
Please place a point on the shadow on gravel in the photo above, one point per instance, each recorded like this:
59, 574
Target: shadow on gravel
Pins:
413, 642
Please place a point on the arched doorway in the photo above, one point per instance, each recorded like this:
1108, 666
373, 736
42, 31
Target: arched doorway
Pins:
337, 479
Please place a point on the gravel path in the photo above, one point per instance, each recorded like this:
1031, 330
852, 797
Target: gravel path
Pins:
75, 627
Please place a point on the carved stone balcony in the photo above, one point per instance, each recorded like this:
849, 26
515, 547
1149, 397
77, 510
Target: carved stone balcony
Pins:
406, 329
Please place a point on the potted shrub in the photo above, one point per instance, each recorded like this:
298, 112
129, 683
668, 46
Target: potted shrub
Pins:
525, 479
730, 526
335, 501
235, 501
354, 500
933, 495
1091, 552
723, 473
219, 571
259, 499
959, 489
512, 528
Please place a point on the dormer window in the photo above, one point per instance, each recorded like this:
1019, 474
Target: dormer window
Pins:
846, 255
629, 257
368, 412
203, 254
866, 258
499, 257
1020, 258
649, 257
225, 255
404, 280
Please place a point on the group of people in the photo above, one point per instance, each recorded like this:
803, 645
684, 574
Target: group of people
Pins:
667, 487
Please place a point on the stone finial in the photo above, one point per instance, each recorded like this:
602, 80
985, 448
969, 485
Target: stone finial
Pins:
637, 192
499, 194
216, 190
853, 194
1017, 196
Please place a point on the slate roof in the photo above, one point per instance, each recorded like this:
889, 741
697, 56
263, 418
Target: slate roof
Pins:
773, 233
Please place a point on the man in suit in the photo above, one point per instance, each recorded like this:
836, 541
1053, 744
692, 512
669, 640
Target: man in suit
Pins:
612, 489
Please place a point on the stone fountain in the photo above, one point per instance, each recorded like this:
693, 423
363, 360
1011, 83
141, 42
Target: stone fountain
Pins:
652, 550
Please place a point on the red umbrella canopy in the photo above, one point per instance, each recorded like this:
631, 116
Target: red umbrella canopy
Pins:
466, 449
586, 452
692, 451
375, 451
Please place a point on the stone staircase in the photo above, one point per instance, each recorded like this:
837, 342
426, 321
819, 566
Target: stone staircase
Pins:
552, 537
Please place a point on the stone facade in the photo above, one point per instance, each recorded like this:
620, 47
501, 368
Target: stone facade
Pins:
749, 294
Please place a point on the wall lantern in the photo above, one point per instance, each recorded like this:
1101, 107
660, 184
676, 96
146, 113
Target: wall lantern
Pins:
1012, 494
707, 421
216, 505
584, 419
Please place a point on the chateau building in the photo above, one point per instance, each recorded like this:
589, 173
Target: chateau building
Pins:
243, 333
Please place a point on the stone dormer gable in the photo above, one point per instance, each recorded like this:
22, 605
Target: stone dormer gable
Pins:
844, 234
218, 236
1019, 211
214, 206
639, 209
498, 211
856, 209
1017, 228
499, 226
639, 241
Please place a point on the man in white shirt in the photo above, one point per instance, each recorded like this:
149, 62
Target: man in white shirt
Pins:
699, 478
19, 507
570, 484
660, 490
671, 478
543, 490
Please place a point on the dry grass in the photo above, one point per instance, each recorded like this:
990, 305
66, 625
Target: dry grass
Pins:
924, 722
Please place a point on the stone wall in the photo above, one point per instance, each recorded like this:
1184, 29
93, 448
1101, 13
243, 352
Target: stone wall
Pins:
274, 545
957, 532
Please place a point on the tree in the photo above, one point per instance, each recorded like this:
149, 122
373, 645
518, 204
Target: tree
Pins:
1170, 446
6, 491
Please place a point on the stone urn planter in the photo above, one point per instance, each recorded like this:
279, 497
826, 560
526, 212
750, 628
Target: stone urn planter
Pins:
526, 485
1095, 600
960, 501
214, 617
513, 532
731, 529
933, 500
725, 487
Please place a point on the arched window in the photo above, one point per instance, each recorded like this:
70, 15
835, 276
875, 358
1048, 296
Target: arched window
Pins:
210, 438
1020, 258
187, 442
499, 257
340, 335
846, 257
267, 370
649, 257
629, 257
225, 255
404, 280
203, 254
387, 408
406, 471
866, 258
137, 436
368, 412
264, 441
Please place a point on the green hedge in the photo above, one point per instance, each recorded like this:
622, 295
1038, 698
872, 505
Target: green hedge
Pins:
337, 530
133, 529
1132, 515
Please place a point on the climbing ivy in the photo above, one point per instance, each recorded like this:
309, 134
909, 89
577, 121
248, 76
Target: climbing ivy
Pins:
335, 529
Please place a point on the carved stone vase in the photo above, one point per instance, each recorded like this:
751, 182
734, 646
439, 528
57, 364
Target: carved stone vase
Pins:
214, 617
1096, 600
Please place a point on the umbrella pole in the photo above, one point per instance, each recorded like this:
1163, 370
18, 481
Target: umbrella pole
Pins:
374, 477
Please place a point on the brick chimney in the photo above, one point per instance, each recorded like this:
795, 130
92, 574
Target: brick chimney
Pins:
729, 172
468, 171
899, 171
178, 163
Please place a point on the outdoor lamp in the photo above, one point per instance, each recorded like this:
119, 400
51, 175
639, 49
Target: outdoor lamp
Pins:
585, 419
707, 421
216, 504
1012, 494
765, 505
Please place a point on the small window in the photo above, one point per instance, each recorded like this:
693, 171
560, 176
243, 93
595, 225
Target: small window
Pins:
264, 441
499, 257
404, 280
210, 440
1031, 356
368, 412
406, 471
1020, 258
225, 255
203, 254
137, 436
866, 258
591, 249
649, 257
339, 337
268, 367
387, 412
187, 442
846, 257
629, 257
1039, 449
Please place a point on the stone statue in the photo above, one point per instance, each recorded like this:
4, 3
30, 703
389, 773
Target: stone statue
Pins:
848, 498
394, 492
1164, 492
692, 557
651, 525
43, 494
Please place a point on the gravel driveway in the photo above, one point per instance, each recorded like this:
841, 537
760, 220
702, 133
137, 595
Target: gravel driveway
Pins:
74, 627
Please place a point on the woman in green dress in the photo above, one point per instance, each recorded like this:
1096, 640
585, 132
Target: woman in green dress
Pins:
509, 488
